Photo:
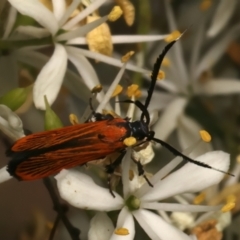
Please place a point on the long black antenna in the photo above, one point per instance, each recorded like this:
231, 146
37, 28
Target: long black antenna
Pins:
155, 72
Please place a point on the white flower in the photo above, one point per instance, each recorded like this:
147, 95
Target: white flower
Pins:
81, 191
183, 81
52, 74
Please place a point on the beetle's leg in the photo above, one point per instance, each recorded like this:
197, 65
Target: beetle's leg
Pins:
141, 171
110, 168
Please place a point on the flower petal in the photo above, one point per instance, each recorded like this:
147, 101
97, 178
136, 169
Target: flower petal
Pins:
221, 87
10, 22
33, 32
50, 78
191, 177
10, 123
59, 7
79, 190
188, 133
222, 16
36, 10
169, 118
91, 8
120, 39
4, 175
101, 227
156, 227
125, 220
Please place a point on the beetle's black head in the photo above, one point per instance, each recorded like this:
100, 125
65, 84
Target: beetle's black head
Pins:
139, 129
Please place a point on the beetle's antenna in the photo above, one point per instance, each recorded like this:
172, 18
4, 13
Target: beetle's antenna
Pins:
186, 158
155, 71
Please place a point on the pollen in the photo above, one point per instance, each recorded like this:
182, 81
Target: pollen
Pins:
166, 62
73, 119
199, 198
228, 207
121, 231
161, 75
97, 89
205, 136
115, 14
130, 141
133, 91
128, 11
205, 5
238, 158
127, 56
117, 90
173, 36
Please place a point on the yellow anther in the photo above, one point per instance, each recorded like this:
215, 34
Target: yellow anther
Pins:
173, 36
228, 207
127, 56
117, 90
166, 62
199, 198
73, 119
205, 5
130, 141
231, 198
115, 14
97, 89
206, 137
133, 90
238, 158
121, 231
161, 75
105, 112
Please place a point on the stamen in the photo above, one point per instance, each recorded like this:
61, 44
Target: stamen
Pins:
228, 207
205, 5
238, 159
166, 62
73, 119
173, 36
133, 90
115, 14
206, 137
161, 75
130, 141
117, 90
127, 56
199, 198
121, 231
97, 89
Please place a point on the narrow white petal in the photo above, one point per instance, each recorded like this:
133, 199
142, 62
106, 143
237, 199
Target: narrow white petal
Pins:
81, 31
136, 38
169, 118
191, 178
10, 22
80, 191
83, 66
222, 16
59, 7
50, 79
77, 41
176, 207
216, 51
157, 228
33, 32
73, 82
101, 227
125, 174
10, 123
36, 10
177, 48
4, 175
91, 8
69, 11
188, 133
125, 220
112, 61
111, 88
221, 87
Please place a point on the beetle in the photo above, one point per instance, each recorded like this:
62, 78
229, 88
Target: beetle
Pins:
42, 154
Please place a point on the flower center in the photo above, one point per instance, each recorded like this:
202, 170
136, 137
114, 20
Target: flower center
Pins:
133, 203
